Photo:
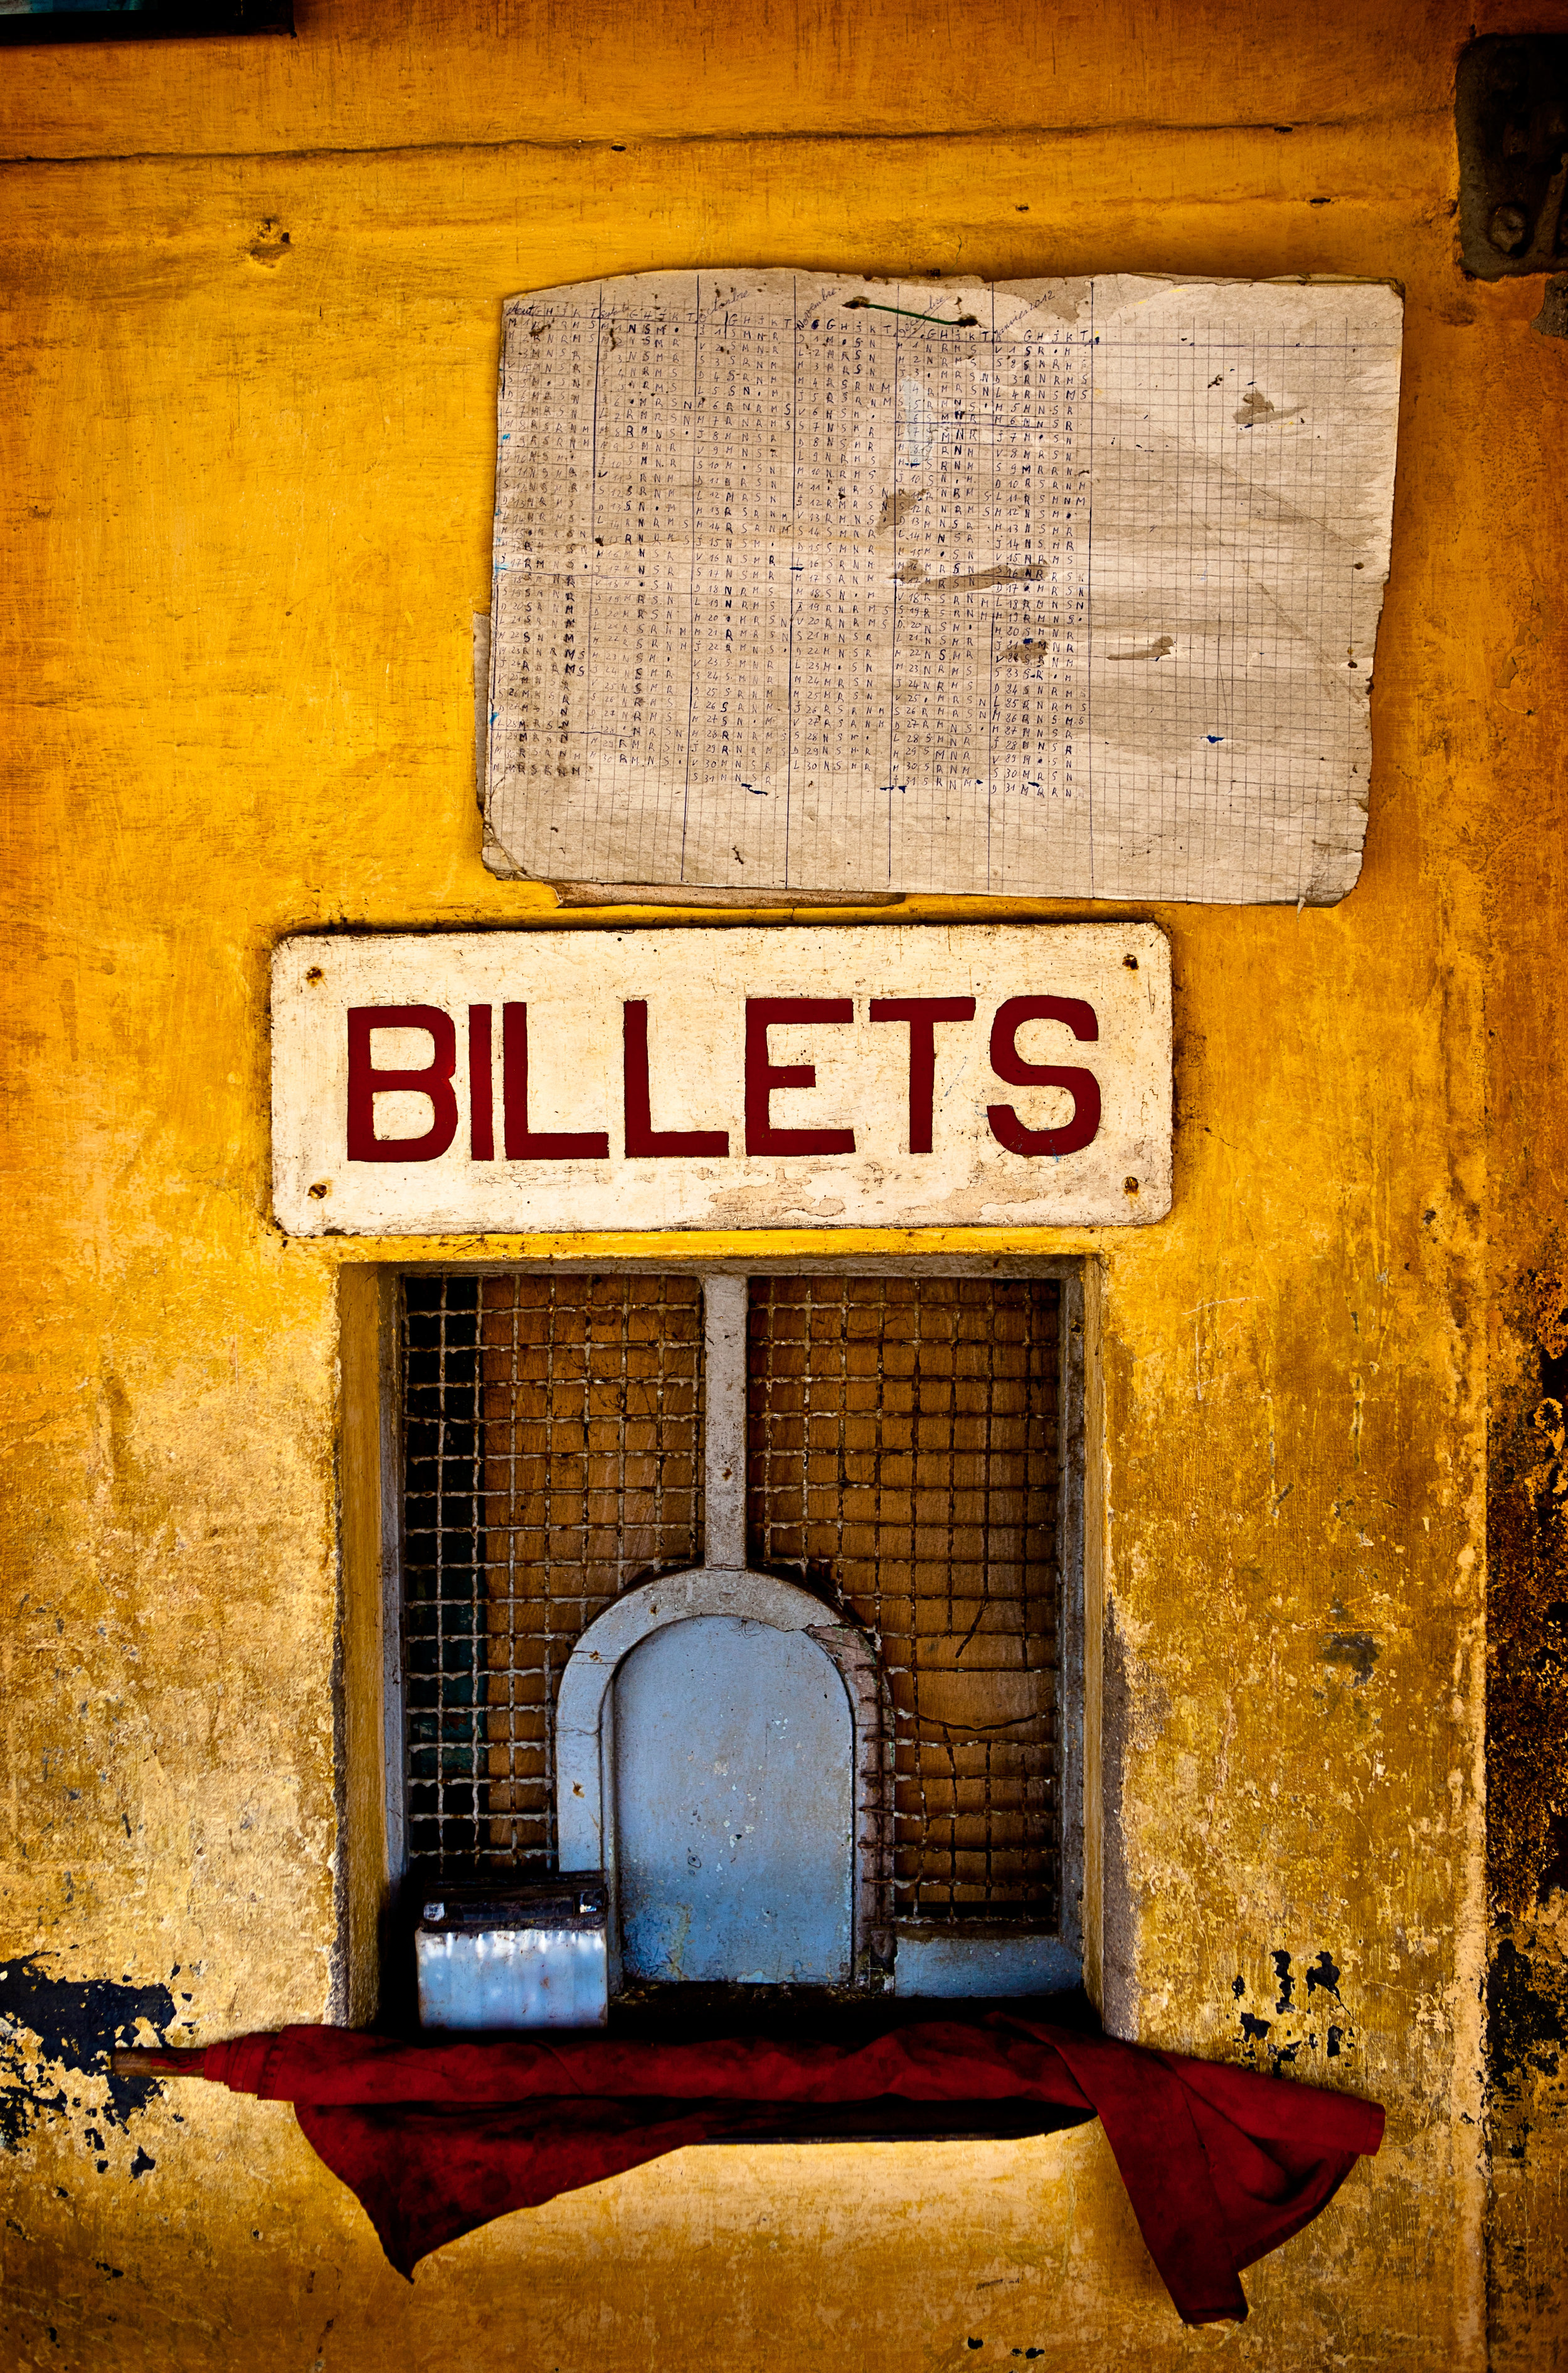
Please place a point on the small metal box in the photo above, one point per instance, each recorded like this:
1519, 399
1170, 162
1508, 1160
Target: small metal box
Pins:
532, 1953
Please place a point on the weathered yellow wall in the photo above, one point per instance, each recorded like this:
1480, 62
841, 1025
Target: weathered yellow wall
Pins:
246, 446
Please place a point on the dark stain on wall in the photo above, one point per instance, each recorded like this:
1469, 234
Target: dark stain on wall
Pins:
1527, 2025
75, 2025
1526, 2067
1527, 1809
1358, 1650
1527, 1711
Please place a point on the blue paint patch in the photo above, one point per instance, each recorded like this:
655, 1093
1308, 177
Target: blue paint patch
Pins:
734, 1807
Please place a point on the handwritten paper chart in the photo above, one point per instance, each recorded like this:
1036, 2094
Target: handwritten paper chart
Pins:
1061, 589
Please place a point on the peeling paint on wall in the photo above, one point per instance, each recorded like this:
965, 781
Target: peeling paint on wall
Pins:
1303, 2037
56, 2029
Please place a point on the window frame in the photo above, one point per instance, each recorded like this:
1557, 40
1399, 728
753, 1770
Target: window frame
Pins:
1066, 1964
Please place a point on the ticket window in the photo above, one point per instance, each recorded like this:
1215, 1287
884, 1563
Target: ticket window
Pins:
892, 1705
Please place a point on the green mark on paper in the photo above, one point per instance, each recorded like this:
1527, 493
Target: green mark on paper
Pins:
964, 321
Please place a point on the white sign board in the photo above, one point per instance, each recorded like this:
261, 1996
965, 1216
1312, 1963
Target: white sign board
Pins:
971, 1075
1049, 588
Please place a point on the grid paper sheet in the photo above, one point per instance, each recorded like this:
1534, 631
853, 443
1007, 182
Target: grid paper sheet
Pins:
1060, 588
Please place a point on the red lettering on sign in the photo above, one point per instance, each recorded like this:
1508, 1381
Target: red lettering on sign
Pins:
522, 1143
763, 1077
1009, 1065
643, 1137
481, 1105
923, 1015
1007, 1061
434, 1082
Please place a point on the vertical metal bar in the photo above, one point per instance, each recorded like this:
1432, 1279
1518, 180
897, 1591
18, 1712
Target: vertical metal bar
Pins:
724, 1305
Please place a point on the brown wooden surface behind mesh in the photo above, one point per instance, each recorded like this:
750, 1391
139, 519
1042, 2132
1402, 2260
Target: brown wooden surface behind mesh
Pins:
591, 1394
903, 1451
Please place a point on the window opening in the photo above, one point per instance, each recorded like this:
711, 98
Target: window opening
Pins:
905, 1440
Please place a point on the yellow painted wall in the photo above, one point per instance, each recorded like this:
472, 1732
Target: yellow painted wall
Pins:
246, 446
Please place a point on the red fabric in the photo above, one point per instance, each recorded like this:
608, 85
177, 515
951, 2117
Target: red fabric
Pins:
1221, 2164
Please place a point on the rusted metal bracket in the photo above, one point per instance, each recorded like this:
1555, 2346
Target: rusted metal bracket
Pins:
1510, 115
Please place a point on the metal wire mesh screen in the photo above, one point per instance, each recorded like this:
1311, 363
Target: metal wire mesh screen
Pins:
552, 1455
904, 1454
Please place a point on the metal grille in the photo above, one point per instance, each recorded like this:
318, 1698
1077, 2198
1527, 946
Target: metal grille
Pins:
552, 1456
904, 1458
